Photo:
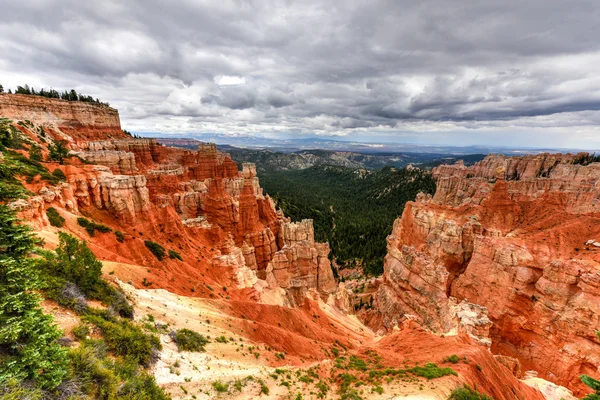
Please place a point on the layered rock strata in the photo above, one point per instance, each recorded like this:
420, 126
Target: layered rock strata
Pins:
81, 121
508, 236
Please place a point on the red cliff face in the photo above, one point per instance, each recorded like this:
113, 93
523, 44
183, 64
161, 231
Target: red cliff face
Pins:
194, 202
78, 120
516, 238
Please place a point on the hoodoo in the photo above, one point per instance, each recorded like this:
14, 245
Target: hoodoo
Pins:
506, 252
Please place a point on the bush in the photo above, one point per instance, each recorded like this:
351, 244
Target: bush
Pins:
188, 340
35, 153
59, 175
120, 236
81, 331
76, 273
431, 371
466, 393
55, 218
453, 359
126, 339
156, 249
173, 254
220, 386
91, 227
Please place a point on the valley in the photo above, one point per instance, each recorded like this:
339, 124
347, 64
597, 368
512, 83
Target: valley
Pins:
180, 273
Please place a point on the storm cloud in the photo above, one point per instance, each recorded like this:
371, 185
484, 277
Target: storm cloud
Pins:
458, 72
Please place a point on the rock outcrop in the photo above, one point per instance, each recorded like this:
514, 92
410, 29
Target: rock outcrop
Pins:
81, 121
199, 202
513, 237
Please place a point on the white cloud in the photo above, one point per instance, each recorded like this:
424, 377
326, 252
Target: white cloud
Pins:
225, 80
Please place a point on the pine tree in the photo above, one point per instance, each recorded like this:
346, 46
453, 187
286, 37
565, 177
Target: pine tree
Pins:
76, 260
58, 151
28, 346
1, 89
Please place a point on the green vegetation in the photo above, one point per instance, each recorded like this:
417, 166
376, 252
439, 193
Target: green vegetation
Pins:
592, 383
91, 227
73, 273
55, 218
466, 393
59, 175
156, 249
32, 362
58, 151
70, 95
188, 340
453, 359
220, 387
586, 159
15, 166
35, 153
356, 371
431, 371
125, 338
28, 340
173, 254
353, 210
120, 236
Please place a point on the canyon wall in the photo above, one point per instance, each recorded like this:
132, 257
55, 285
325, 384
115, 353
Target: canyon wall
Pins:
197, 202
507, 251
79, 120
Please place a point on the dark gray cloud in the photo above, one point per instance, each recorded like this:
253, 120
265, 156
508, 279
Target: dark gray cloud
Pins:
464, 71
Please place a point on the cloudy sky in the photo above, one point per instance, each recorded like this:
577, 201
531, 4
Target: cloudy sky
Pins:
494, 72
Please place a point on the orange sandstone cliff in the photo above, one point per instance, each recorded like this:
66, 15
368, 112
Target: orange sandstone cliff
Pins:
508, 252
275, 282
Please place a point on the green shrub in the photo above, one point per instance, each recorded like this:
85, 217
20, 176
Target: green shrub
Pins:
453, 359
91, 227
173, 254
59, 175
431, 371
264, 389
188, 340
126, 339
120, 236
221, 339
142, 386
156, 249
220, 386
81, 331
87, 224
466, 393
55, 218
35, 153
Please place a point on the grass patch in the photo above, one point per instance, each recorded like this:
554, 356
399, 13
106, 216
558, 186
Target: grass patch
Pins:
432, 371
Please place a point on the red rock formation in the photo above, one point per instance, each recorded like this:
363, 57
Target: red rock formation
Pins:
79, 120
508, 234
197, 201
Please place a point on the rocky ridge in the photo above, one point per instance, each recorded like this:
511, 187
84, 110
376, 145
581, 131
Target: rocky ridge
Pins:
269, 279
504, 252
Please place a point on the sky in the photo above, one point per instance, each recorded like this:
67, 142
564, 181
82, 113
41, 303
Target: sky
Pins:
493, 72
